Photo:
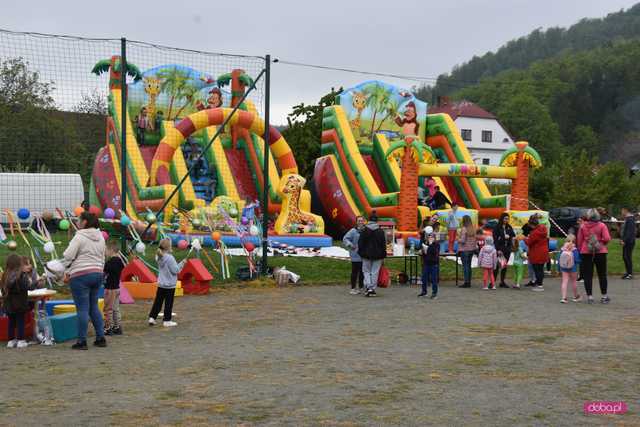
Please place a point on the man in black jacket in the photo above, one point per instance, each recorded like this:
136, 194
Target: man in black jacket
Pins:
439, 200
628, 240
372, 247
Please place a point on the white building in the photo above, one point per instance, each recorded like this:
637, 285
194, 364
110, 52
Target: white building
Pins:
483, 134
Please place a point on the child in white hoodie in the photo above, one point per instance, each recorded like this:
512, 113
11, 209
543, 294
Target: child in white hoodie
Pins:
168, 270
487, 260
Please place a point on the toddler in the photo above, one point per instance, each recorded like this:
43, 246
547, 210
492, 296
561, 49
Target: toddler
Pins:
487, 260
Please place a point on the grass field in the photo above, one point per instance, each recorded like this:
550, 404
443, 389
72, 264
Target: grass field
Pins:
318, 270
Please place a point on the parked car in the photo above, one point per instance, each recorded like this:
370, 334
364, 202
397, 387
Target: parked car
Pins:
566, 218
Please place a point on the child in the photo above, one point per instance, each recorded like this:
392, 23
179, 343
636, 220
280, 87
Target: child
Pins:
479, 239
32, 274
452, 227
569, 260
487, 260
167, 278
518, 263
430, 248
112, 271
14, 284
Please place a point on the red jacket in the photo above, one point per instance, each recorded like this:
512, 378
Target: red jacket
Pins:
596, 228
538, 244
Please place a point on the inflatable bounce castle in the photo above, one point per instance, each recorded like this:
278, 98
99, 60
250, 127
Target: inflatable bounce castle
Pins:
173, 113
379, 146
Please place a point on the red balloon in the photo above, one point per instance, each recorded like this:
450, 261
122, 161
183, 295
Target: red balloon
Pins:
94, 210
249, 246
183, 244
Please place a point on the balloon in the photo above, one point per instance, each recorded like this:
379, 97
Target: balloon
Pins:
140, 247
47, 215
49, 247
151, 218
105, 235
64, 224
78, 210
12, 245
216, 236
183, 244
196, 222
23, 213
195, 244
125, 221
253, 230
244, 220
249, 246
109, 213
94, 210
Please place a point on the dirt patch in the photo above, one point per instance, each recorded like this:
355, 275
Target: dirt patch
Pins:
318, 356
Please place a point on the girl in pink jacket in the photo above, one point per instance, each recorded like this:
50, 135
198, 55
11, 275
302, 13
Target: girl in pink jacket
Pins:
487, 260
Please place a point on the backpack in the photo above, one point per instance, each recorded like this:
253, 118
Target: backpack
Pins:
593, 244
566, 260
383, 277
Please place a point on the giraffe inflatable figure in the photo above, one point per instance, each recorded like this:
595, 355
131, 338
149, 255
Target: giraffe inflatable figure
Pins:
291, 214
152, 89
359, 102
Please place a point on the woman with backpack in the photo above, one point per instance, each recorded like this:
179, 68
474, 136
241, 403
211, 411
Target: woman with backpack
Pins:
593, 238
538, 253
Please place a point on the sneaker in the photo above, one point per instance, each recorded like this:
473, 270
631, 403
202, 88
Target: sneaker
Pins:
434, 297
563, 300
169, 323
22, 344
516, 286
422, 294
530, 285
504, 285
117, 331
590, 300
108, 331
627, 277
465, 285
80, 345
603, 300
12, 344
577, 299
151, 321
373, 293
538, 288
579, 280
493, 288
100, 342
353, 292
485, 288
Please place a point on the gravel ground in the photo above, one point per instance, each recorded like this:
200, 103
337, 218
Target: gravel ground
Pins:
318, 356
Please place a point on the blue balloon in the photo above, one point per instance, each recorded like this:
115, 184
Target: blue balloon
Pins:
124, 220
23, 213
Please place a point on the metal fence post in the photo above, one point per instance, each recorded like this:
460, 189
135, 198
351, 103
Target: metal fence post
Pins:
123, 136
265, 168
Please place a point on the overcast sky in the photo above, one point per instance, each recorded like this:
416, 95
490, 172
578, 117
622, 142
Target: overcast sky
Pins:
411, 37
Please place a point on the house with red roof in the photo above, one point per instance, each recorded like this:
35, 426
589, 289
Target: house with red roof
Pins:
481, 131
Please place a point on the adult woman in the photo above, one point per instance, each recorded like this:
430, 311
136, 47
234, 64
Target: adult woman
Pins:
467, 245
84, 259
538, 253
503, 236
593, 238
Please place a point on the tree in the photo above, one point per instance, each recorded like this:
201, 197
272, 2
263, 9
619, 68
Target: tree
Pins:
20, 87
114, 67
188, 93
529, 120
92, 103
377, 98
304, 131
